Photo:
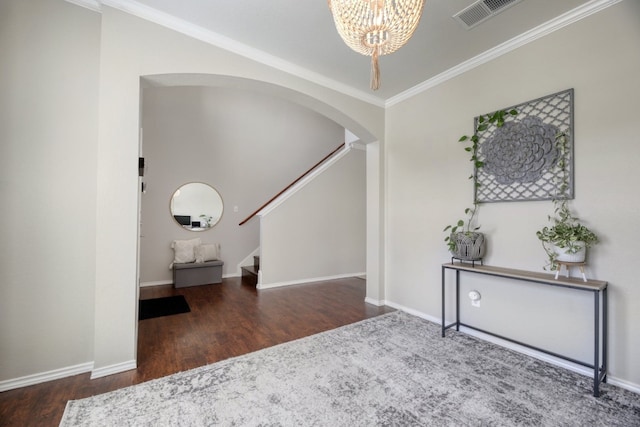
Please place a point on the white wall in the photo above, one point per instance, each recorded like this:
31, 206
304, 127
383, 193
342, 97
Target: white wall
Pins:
427, 188
320, 231
132, 48
247, 145
71, 82
48, 133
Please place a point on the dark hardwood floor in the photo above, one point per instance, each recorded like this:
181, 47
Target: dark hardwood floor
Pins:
226, 320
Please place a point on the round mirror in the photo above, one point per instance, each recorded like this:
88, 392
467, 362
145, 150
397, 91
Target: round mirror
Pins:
196, 206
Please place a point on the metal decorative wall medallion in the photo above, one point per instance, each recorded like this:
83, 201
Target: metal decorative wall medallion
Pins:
522, 159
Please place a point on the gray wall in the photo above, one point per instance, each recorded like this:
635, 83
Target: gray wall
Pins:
428, 189
247, 145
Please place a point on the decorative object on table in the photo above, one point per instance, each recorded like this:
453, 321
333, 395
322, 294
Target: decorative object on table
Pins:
206, 221
464, 241
520, 160
467, 244
567, 240
376, 27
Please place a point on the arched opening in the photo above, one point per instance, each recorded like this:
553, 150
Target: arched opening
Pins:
374, 290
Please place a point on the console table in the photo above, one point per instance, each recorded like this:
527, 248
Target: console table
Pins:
597, 287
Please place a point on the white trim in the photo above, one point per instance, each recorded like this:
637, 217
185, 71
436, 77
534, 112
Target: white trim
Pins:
305, 281
89, 4
534, 34
153, 15
156, 283
375, 302
304, 181
113, 369
168, 21
524, 350
42, 377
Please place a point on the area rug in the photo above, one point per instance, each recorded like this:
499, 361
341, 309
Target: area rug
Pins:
391, 370
165, 306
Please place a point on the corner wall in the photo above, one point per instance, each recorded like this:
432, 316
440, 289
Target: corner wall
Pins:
427, 188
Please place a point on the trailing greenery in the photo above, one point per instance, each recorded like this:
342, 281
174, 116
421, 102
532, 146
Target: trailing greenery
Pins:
482, 124
566, 232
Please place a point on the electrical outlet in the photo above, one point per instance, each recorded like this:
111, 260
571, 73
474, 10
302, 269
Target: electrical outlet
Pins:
475, 297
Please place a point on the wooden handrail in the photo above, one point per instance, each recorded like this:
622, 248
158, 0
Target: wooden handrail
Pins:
293, 183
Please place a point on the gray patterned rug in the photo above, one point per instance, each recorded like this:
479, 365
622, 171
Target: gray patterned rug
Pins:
391, 370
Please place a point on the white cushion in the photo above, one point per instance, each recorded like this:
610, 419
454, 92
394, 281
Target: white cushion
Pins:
206, 252
184, 250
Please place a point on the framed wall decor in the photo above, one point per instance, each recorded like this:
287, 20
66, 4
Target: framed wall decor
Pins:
524, 159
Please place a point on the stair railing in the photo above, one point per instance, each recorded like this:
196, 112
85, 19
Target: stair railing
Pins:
327, 157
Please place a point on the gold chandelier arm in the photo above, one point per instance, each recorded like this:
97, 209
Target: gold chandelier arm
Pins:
375, 71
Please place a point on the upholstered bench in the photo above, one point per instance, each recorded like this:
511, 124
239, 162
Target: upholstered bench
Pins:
197, 273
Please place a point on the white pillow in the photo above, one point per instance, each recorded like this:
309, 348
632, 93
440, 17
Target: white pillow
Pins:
206, 252
184, 250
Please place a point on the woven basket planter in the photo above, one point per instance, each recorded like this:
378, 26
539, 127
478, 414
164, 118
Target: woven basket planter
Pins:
469, 246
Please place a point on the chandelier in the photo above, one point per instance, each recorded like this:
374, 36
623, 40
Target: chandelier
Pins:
376, 27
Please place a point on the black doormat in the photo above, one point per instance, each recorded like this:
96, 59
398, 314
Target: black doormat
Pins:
159, 307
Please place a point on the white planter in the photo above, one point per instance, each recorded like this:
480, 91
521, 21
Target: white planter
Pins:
563, 256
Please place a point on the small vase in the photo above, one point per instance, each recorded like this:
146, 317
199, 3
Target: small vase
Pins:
469, 246
563, 256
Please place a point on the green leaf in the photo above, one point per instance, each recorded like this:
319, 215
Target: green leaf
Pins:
463, 138
446, 228
460, 223
482, 127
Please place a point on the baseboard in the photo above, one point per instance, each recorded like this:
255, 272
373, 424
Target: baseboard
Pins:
305, 281
170, 282
375, 302
113, 369
627, 385
156, 283
43, 377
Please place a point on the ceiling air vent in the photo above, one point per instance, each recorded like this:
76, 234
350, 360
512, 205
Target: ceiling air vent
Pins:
482, 10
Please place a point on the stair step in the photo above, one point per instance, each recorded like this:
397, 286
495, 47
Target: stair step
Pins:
250, 275
251, 270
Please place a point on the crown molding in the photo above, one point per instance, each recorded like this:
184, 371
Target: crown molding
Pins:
534, 34
153, 15
88, 4
139, 10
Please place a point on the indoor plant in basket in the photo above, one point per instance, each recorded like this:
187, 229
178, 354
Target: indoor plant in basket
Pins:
567, 239
463, 239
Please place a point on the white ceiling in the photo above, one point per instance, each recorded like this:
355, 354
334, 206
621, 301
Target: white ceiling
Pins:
299, 36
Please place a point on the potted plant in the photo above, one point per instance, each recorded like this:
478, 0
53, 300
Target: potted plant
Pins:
567, 239
463, 239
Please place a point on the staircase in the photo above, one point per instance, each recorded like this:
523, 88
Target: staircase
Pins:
250, 272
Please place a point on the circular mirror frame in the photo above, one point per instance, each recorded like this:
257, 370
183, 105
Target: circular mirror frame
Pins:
196, 206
